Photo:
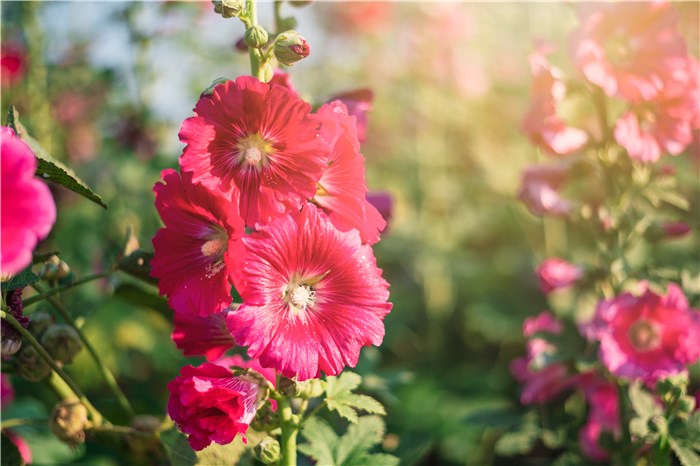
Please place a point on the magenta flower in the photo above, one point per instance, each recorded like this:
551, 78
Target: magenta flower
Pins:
312, 297
664, 124
27, 209
539, 189
198, 253
384, 203
646, 337
258, 142
341, 191
556, 274
237, 360
210, 404
358, 103
206, 336
675, 230
7, 391
631, 50
542, 124
603, 416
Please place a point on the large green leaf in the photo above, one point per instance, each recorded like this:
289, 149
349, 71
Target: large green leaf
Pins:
177, 448
49, 168
339, 397
25, 278
685, 452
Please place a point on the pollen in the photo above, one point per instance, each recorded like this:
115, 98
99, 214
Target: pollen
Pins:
253, 151
215, 247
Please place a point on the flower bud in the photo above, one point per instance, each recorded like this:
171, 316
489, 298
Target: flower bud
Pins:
312, 388
54, 269
228, 8
666, 231
287, 23
268, 451
68, 421
256, 37
290, 47
31, 366
39, 322
686, 404
62, 342
266, 419
240, 45
658, 424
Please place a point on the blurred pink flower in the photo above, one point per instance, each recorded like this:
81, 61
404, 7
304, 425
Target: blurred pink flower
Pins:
603, 416
7, 396
555, 274
630, 49
676, 229
646, 337
384, 203
206, 336
27, 209
542, 124
332, 302
211, 405
24, 451
539, 189
13, 63
662, 125
342, 189
358, 103
7, 391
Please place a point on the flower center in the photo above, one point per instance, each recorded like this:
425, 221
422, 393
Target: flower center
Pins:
303, 296
299, 293
618, 50
253, 151
646, 116
644, 335
214, 248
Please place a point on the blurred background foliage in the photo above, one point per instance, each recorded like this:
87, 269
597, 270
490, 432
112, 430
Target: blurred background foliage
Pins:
106, 91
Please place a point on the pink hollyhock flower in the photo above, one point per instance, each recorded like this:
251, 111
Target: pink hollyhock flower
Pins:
341, 190
542, 124
257, 141
646, 337
539, 189
676, 229
556, 274
603, 416
384, 203
12, 63
206, 336
210, 404
237, 360
198, 253
7, 392
283, 79
664, 124
541, 381
27, 210
358, 103
312, 298
24, 451
631, 50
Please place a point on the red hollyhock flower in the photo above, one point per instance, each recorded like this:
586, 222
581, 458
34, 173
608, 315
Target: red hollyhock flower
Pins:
206, 336
210, 404
27, 209
199, 252
257, 141
629, 49
342, 190
313, 297
359, 103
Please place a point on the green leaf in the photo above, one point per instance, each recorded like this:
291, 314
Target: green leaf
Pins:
228, 454
49, 168
138, 265
177, 448
685, 452
137, 295
321, 441
339, 397
518, 442
25, 278
360, 437
643, 402
10, 453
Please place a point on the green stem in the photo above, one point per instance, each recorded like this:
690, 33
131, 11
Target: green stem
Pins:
94, 414
253, 53
312, 413
55, 291
278, 16
106, 373
626, 451
290, 429
22, 422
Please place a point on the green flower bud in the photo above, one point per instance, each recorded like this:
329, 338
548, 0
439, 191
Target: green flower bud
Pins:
265, 419
256, 37
268, 451
312, 388
686, 404
68, 421
658, 424
39, 322
290, 47
228, 8
31, 366
54, 269
287, 24
62, 342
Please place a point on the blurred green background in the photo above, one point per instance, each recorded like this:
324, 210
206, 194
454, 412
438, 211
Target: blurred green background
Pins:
105, 85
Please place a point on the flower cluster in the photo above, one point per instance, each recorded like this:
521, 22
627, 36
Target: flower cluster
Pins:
270, 199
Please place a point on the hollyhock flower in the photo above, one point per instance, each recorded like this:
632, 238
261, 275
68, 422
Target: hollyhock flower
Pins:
384, 203
210, 404
539, 190
358, 103
237, 360
259, 140
646, 337
312, 297
206, 336
542, 124
27, 210
198, 253
664, 124
12, 63
631, 50
341, 190
556, 274
541, 381
7, 392
283, 79
603, 416
674, 230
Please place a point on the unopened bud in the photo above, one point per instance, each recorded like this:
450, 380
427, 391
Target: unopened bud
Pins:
686, 404
312, 388
68, 421
658, 424
210, 90
666, 231
31, 366
62, 342
287, 23
256, 37
11, 338
240, 45
54, 269
228, 8
266, 419
268, 451
290, 47
39, 322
